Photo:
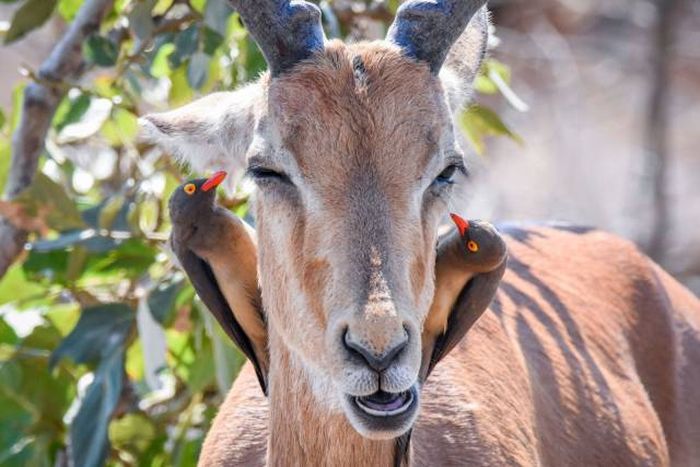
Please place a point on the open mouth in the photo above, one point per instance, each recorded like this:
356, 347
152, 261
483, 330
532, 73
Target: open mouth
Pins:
385, 404
384, 415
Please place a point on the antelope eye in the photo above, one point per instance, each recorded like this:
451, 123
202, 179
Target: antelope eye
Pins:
264, 174
447, 175
190, 188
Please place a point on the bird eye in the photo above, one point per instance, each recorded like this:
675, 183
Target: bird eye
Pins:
190, 188
472, 246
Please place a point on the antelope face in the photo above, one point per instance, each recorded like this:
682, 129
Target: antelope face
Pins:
353, 153
354, 164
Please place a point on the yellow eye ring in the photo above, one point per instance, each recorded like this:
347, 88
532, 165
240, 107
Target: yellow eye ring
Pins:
472, 246
190, 188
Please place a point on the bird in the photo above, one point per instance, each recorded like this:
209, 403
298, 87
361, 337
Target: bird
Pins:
218, 252
469, 264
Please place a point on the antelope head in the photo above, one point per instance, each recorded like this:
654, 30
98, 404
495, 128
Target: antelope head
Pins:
353, 151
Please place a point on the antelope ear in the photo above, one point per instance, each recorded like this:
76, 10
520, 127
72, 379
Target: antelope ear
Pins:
213, 132
464, 60
464, 288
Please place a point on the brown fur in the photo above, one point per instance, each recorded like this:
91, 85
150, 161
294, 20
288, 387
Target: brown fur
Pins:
590, 355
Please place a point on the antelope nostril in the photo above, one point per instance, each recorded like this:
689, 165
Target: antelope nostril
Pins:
376, 361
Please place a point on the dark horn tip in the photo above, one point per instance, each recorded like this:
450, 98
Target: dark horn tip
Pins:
287, 32
427, 29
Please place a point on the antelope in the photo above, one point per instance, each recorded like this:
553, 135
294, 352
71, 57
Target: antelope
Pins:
589, 354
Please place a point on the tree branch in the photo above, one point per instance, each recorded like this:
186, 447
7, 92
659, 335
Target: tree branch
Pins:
656, 144
41, 98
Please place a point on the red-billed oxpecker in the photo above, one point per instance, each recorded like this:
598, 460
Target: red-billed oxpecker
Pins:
218, 251
470, 263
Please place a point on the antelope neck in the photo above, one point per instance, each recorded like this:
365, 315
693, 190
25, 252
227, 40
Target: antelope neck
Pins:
303, 431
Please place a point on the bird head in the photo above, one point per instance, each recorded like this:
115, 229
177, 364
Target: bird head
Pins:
481, 244
191, 203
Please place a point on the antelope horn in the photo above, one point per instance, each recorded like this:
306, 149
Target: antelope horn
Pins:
426, 29
286, 31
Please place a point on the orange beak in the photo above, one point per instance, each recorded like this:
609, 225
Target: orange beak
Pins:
462, 225
214, 181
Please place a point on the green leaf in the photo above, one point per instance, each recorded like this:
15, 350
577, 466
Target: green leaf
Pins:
50, 265
27, 379
121, 128
180, 90
69, 8
100, 51
7, 334
211, 41
478, 122
88, 438
132, 432
131, 259
71, 111
5, 160
185, 46
3, 119
17, 102
47, 201
198, 5
29, 16
197, 70
160, 67
15, 286
202, 374
99, 330
161, 7
162, 300
216, 15
140, 19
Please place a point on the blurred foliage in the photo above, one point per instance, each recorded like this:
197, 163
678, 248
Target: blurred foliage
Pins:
106, 354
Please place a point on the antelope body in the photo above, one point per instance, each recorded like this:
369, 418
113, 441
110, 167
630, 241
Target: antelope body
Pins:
588, 355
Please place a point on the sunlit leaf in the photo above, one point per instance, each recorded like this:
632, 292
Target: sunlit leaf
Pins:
31, 15
17, 101
132, 432
162, 6
180, 90
198, 5
160, 68
68, 8
478, 122
15, 286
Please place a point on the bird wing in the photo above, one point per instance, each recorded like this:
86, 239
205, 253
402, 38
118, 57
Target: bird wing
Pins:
472, 301
205, 284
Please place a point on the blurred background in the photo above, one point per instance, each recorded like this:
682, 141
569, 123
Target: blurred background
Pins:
586, 111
